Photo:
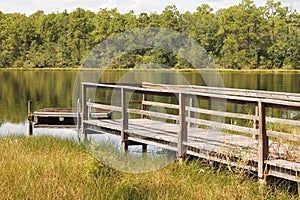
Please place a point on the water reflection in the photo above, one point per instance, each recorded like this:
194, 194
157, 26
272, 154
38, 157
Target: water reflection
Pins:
8, 129
54, 89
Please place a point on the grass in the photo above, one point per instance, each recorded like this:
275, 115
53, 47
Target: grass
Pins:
52, 168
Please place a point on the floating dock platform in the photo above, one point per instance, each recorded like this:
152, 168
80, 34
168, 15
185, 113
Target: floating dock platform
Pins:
61, 117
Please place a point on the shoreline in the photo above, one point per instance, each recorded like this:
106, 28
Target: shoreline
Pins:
171, 69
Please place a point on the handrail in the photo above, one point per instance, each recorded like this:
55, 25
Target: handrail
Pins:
229, 91
269, 102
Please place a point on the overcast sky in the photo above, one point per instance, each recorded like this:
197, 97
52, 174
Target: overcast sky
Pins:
31, 6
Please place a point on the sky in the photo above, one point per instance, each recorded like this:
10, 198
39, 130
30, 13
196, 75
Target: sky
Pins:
31, 6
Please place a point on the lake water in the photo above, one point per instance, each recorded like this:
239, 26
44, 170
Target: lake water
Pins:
55, 89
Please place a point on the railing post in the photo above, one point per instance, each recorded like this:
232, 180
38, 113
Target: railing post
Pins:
78, 117
89, 110
190, 113
30, 117
263, 146
84, 112
124, 119
143, 105
182, 134
255, 122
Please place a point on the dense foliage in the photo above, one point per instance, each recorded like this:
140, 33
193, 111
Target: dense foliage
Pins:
241, 36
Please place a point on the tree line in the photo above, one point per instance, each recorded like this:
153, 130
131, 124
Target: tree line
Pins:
243, 36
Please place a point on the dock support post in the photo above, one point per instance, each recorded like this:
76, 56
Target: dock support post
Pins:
84, 112
144, 148
182, 134
263, 146
124, 120
30, 117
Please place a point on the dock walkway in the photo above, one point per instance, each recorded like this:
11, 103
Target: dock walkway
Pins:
231, 126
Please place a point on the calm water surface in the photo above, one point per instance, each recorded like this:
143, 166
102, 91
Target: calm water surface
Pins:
55, 89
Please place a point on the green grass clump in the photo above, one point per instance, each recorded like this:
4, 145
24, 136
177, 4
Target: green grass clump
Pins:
52, 168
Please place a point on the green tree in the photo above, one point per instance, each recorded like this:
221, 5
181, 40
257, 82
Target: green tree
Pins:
79, 34
203, 28
64, 50
276, 33
242, 22
170, 18
293, 40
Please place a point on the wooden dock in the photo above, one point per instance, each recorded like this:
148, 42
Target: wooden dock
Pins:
196, 120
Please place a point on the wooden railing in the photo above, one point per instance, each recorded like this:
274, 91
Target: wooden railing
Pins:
186, 112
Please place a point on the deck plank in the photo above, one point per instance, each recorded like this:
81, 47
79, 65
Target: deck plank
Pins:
211, 141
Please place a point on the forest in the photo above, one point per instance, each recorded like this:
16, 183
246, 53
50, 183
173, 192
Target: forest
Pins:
243, 36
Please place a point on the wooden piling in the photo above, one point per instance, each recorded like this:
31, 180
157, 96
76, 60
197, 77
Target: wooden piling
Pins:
144, 148
84, 112
124, 125
263, 146
30, 117
182, 135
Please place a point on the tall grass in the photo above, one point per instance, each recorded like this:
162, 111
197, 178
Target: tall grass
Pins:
51, 168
